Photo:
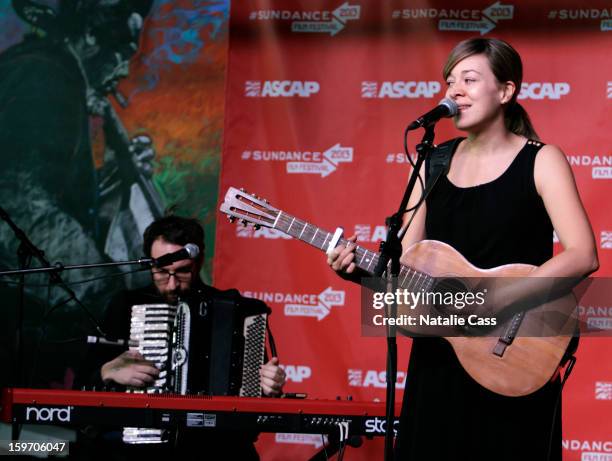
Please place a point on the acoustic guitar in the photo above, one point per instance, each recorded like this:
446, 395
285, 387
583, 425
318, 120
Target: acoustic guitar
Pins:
515, 357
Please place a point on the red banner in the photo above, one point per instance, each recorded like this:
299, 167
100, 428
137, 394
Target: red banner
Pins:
318, 95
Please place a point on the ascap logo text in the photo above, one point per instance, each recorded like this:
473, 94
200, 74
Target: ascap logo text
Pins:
297, 373
396, 90
280, 88
544, 90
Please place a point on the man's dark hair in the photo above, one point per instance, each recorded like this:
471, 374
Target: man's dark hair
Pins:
174, 229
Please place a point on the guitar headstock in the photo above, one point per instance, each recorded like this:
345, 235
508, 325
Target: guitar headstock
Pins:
248, 208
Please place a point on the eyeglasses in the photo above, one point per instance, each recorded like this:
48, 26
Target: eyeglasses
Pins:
163, 275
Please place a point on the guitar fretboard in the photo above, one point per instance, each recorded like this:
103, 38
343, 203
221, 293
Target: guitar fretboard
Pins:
365, 259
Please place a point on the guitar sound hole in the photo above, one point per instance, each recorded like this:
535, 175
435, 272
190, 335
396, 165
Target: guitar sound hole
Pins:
450, 296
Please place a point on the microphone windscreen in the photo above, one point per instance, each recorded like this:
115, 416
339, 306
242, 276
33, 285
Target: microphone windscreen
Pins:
192, 250
451, 105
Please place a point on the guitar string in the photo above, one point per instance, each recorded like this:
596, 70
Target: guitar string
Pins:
425, 281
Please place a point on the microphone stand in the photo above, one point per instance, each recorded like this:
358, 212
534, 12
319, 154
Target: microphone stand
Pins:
391, 250
59, 267
26, 251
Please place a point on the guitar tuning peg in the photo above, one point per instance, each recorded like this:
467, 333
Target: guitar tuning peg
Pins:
242, 189
244, 222
232, 219
256, 227
265, 201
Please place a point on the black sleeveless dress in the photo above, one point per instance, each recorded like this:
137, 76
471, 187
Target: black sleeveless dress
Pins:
446, 415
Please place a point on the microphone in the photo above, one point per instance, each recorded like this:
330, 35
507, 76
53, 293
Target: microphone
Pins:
445, 108
189, 251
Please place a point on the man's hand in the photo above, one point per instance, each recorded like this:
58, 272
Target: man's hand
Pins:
129, 369
272, 378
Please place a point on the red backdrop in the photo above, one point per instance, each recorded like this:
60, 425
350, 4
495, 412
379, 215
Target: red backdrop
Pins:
318, 95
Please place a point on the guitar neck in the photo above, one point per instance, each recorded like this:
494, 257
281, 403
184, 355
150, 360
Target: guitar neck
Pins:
365, 260
320, 238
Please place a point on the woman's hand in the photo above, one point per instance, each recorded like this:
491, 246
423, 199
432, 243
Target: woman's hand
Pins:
342, 260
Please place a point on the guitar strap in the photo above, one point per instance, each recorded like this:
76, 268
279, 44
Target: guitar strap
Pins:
439, 162
436, 165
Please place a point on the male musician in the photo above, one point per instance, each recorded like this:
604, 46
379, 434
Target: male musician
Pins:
51, 83
178, 280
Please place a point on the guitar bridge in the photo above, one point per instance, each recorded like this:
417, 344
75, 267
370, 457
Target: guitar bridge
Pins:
500, 348
509, 335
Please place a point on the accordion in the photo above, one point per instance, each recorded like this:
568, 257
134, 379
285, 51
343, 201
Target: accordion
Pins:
210, 346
